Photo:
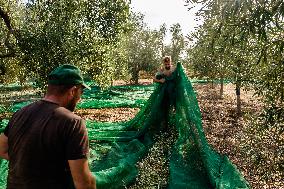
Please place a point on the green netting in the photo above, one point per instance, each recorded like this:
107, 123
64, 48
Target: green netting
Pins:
19, 105
11, 87
117, 96
2, 109
116, 148
3, 124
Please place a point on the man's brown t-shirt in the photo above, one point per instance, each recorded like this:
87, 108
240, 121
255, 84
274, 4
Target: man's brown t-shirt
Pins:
42, 137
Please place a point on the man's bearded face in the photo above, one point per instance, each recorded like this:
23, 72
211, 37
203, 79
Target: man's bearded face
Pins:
76, 98
72, 104
167, 65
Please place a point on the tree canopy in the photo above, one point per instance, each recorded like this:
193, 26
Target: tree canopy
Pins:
243, 41
52, 33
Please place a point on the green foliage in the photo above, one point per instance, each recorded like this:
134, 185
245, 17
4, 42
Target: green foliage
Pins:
177, 43
262, 146
97, 36
142, 47
243, 41
76, 32
10, 69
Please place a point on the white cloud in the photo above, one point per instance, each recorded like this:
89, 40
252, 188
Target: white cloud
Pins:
169, 12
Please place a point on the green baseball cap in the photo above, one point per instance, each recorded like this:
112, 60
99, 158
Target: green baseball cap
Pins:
66, 74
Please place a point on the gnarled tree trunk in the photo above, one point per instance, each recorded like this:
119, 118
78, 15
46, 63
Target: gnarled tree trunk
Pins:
11, 51
222, 87
238, 93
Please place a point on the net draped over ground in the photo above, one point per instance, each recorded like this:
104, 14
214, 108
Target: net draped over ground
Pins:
116, 148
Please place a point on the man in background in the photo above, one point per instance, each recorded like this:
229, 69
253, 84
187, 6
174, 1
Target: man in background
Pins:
45, 142
166, 76
165, 71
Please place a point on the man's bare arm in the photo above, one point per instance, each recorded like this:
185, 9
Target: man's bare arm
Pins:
82, 176
4, 147
158, 80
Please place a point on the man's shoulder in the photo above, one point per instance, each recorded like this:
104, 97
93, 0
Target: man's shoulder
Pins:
27, 108
47, 109
65, 113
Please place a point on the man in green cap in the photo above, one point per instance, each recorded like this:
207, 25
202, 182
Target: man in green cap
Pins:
45, 142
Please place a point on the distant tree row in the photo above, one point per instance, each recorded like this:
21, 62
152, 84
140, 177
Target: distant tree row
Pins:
40, 35
105, 39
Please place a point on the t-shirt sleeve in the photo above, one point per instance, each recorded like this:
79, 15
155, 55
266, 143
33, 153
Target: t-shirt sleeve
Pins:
6, 130
11, 122
77, 141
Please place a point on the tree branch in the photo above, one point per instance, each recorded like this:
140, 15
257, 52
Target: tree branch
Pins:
7, 21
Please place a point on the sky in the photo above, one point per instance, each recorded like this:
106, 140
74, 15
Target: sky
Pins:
169, 12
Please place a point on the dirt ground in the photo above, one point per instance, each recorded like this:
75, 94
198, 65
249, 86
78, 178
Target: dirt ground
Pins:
228, 133
224, 130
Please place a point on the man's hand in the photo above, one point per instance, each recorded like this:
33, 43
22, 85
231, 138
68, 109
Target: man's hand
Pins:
162, 80
4, 147
82, 176
159, 80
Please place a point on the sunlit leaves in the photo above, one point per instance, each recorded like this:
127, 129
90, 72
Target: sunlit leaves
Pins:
251, 31
142, 47
177, 45
78, 32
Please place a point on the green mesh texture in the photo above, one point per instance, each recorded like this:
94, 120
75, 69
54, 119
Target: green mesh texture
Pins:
117, 96
116, 148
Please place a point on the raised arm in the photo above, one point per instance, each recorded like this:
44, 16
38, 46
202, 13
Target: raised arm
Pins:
82, 176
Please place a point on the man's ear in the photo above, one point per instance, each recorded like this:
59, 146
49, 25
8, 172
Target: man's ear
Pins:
72, 91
